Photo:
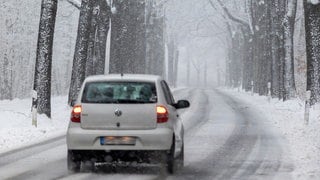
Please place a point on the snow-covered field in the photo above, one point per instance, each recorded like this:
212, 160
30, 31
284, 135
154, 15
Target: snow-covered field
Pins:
16, 128
288, 117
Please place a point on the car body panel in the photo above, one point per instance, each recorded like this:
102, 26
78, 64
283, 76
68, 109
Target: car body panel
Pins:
149, 134
83, 139
131, 116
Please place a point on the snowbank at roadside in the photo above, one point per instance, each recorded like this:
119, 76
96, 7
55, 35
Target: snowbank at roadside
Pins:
288, 117
16, 128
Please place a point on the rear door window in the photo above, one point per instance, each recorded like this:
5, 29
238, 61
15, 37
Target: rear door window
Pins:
119, 92
167, 93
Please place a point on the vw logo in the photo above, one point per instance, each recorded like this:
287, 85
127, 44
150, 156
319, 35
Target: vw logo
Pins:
118, 112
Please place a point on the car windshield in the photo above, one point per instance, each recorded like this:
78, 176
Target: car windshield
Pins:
119, 92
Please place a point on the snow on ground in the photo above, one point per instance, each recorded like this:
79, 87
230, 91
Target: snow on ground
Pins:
288, 117
16, 128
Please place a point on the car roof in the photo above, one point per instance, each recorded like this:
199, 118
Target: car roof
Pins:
123, 77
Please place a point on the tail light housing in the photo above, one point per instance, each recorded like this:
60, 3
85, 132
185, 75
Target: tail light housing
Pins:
162, 114
76, 114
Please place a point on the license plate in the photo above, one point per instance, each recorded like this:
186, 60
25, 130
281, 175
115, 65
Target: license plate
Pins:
117, 140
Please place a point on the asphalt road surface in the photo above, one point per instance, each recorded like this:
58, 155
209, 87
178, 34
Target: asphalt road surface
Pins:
225, 139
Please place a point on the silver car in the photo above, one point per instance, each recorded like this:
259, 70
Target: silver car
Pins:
126, 117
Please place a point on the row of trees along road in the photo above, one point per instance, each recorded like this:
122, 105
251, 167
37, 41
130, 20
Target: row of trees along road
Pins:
137, 43
261, 48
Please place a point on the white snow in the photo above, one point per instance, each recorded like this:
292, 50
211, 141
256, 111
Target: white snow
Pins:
314, 1
76, 2
113, 10
288, 118
16, 128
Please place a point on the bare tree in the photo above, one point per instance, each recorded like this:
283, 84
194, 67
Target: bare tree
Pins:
265, 38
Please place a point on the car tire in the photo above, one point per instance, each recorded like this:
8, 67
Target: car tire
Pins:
175, 164
74, 161
171, 161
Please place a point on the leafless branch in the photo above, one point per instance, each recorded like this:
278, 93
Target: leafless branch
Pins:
75, 3
229, 15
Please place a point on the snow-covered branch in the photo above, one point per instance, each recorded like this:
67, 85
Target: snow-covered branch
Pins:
229, 15
75, 3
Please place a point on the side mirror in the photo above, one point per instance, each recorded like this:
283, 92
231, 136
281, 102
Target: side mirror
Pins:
182, 104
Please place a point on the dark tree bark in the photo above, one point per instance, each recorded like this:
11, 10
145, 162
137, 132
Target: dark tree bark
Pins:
262, 60
281, 61
42, 78
103, 28
7, 79
81, 50
275, 50
92, 42
128, 37
289, 22
98, 38
155, 44
235, 57
247, 73
137, 37
312, 26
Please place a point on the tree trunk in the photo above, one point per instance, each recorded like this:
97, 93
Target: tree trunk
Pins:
188, 70
103, 29
275, 44
98, 38
42, 78
171, 53
289, 22
175, 69
128, 37
81, 50
312, 24
155, 46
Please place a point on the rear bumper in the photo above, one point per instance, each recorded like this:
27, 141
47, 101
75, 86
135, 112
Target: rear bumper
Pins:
84, 139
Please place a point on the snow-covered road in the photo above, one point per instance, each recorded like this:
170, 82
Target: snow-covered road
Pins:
225, 139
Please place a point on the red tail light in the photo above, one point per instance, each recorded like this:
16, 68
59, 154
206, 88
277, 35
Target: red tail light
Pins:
162, 114
76, 114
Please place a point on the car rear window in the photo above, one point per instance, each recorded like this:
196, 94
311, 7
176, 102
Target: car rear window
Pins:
119, 92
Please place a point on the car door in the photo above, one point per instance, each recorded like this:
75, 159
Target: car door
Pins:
174, 116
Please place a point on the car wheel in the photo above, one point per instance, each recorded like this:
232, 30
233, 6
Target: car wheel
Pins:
74, 161
171, 161
174, 164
